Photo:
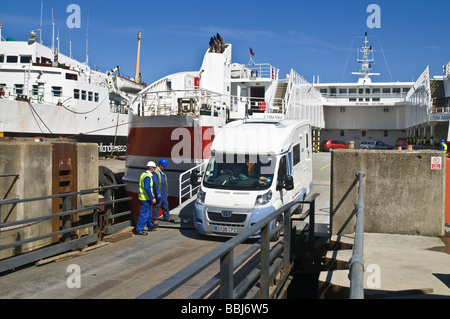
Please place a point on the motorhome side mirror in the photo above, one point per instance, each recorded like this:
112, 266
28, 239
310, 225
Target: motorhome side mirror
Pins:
194, 181
289, 183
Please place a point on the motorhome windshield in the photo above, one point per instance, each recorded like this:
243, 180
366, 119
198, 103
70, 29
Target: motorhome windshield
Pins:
240, 172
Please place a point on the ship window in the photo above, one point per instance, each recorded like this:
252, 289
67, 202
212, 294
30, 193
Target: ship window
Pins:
18, 88
352, 91
324, 91
2, 58
96, 97
56, 91
361, 91
71, 76
396, 90
25, 59
76, 94
12, 59
376, 90
342, 91
386, 90
296, 153
83, 95
405, 90
90, 96
34, 90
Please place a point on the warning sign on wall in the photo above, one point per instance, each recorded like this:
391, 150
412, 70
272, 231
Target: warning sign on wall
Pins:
436, 163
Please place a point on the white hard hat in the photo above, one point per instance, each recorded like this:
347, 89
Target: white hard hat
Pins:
151, 164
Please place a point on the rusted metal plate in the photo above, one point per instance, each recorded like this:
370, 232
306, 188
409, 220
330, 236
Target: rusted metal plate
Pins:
64, 180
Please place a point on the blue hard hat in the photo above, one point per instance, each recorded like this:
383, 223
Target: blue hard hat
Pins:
442, 140
163, 162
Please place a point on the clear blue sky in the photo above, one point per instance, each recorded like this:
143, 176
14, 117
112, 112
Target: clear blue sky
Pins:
312, 37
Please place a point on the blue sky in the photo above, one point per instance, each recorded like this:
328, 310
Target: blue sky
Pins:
315, 38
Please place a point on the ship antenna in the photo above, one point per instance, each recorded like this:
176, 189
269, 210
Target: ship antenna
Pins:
53, 32
367, 59
87, 40
40, 26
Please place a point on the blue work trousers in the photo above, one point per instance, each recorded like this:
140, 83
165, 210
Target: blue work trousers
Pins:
145, 216
161, 203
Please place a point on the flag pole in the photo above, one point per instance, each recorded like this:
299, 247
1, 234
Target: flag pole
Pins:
251, 53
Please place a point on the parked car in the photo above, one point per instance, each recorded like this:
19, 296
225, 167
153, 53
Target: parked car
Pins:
329, 145
375, 145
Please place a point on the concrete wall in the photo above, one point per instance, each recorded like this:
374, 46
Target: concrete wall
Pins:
34, 161
402, 194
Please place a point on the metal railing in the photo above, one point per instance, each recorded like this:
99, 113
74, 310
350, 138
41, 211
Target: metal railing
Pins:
101, 223
186, 189
356, 263
273, 262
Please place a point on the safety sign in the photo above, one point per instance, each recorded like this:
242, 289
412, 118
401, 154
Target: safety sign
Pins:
436, 163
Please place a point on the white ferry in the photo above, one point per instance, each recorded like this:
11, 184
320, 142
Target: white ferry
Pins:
365, 110
46, 94
177, 117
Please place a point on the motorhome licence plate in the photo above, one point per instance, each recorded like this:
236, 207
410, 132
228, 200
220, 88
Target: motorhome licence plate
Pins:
226, 229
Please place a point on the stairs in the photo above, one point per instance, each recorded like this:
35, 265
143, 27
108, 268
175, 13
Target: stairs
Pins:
437, 93
279, 96
333, 281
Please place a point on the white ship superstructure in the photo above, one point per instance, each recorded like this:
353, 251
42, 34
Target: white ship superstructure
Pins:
365, 110
177, 117
44, 93
418, 111
428, 115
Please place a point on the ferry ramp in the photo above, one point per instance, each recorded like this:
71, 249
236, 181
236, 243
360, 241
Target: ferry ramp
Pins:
128, 266
125, 266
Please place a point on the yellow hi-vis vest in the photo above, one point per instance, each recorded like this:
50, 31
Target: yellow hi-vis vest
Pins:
142, 193
445, 147
159, 180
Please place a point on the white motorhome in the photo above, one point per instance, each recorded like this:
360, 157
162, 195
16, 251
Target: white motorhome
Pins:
255, 168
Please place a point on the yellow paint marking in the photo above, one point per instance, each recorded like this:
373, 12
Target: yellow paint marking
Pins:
325, 166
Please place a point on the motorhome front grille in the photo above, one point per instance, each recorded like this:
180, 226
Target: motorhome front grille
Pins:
234, 218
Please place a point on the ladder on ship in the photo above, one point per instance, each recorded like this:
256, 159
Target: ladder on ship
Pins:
26, 80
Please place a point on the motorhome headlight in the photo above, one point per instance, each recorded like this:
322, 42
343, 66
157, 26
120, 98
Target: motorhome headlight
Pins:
201, 196
263, 199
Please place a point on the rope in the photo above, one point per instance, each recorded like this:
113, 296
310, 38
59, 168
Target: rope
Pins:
382, 51
32, 108
346, 62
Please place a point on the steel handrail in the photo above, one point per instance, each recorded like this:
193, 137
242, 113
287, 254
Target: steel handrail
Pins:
224, 253
356, 263
191, 188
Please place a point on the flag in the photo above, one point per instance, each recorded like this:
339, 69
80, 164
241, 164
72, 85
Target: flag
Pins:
251, 51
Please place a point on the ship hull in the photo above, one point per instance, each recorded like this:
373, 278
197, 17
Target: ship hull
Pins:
34, 120
183, 140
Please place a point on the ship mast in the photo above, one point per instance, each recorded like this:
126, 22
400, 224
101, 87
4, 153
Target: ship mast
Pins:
136, 75
365, 61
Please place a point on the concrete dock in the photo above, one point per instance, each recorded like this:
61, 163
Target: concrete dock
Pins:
397, 266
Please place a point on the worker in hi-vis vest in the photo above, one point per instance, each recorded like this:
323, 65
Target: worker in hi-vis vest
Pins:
162, 192
147, 198
443, 145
